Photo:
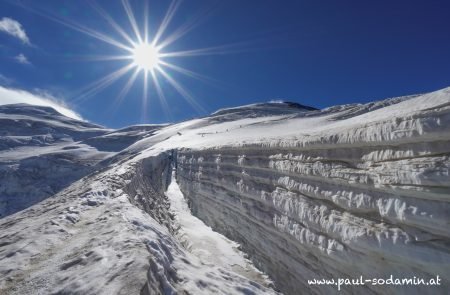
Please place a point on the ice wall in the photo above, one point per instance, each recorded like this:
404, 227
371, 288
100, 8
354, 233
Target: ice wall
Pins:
370, 201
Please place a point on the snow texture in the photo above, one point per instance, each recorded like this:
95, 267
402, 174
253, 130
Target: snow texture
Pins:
107, 229
351, 190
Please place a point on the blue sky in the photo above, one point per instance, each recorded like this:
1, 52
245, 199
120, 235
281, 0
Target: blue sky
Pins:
318, 53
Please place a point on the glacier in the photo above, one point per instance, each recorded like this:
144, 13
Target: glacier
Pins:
248, 200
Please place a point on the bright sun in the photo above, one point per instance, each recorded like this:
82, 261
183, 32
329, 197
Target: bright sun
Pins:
146, 56
146, 52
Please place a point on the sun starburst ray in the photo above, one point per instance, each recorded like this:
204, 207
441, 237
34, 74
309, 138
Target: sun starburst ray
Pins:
146, 8
255, 44
181, 90
166, 21
144, 98
132, 19
181, 31
215, 50
118, 100
77, 27
191, 74
161, 96
111, 21
98, 58
102, 83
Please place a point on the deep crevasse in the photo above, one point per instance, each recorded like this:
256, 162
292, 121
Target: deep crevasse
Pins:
212, 248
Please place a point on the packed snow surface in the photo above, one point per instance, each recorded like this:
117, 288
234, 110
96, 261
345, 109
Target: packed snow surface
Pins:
343, 192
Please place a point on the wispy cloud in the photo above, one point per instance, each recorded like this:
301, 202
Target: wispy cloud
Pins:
22, 59
14, 28
5, 80
41, 98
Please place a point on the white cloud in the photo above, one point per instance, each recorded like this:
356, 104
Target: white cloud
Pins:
12, 96
14, 28
22, 59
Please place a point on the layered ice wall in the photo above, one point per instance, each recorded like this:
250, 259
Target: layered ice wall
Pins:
367, 197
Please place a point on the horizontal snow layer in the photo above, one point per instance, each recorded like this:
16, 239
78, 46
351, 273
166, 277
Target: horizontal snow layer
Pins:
327, 213
367, 196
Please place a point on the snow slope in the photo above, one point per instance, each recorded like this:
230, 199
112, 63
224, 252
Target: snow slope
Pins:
348, 191
107, 230
42, 151
38, 154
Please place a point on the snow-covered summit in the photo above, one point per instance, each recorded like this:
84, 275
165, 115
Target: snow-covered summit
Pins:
259, 110
42, 112
29, 120
27, 109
